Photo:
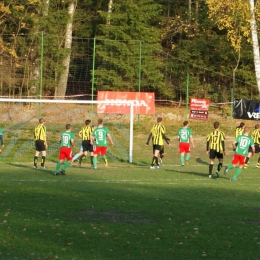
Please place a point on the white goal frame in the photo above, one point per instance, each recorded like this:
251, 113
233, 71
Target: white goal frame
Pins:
130, 103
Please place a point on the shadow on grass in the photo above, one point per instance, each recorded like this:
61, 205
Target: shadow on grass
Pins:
141, 163
31, 168
200, 161
200, 174
187, 172
132, 215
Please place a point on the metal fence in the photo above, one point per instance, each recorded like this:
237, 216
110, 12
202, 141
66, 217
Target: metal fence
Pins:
32, 67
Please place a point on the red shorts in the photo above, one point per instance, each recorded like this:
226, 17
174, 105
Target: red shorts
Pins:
65, 153
102, 150
184, 147
238, 159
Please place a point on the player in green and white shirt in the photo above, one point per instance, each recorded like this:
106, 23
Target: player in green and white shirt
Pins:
241, 146
184, 136
99, 136
66, 140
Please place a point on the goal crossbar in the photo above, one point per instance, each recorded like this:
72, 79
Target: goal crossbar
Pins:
130, 103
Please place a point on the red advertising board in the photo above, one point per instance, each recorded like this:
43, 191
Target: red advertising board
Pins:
143, 102
199, 108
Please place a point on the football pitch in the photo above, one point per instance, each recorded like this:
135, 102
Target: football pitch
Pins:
128, 211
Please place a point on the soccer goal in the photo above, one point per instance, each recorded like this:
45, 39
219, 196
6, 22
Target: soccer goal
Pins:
20, 116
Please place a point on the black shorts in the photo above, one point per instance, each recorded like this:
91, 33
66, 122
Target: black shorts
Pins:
87, 146
162, 149
157, 147
257, 148
214, 154
39, 146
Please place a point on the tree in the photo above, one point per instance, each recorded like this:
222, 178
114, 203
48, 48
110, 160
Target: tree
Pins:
127, 40
148, 45
62, 84
16, 20
237, 18
255, 42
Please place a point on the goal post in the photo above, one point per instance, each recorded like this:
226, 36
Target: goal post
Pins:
61, 105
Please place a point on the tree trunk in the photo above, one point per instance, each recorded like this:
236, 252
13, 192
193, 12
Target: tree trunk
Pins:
46, 4
110, 4
197, 12
63, 79
235, 70
255, 43
189, 16
36, 70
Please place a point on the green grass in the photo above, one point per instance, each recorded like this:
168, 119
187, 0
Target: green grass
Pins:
19, 142
129, 212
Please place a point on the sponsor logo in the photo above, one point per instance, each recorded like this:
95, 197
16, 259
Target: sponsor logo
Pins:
202, 104
198, 101
119, 102
255, 114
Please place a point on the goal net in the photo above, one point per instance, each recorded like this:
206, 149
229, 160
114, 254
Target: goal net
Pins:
20, 116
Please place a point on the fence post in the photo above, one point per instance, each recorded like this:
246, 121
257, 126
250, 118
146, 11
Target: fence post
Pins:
232, 106
41, 74
139, 71
140, 66
93, 69
187, 94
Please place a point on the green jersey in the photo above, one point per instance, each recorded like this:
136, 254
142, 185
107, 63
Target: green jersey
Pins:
184, 135
100, 133
243, 142
65, 139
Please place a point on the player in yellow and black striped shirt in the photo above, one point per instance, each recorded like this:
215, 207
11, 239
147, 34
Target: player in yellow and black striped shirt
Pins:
40, 143
240, 129
256, 138
158, 135
215, 148
86, 146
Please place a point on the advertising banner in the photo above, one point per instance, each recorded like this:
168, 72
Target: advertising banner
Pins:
199, 108
246, 109
143, 102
